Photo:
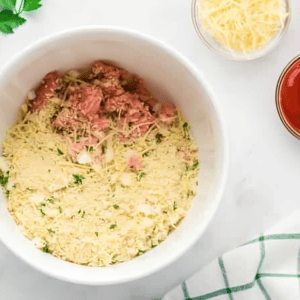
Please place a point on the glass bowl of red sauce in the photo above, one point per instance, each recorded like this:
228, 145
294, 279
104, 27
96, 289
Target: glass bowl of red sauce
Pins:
288, 97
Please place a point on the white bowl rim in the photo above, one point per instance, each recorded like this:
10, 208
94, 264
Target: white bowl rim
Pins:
224, 165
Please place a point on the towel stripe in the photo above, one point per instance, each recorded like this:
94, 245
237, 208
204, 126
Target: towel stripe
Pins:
299, 269
222, 267
283, 236
185, 290
263, 254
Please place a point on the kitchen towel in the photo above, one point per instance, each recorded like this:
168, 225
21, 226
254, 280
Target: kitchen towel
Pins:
267, 267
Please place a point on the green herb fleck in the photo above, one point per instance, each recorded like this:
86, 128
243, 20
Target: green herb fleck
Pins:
195, 165
7, 193
174, 205
185, 126
59, 152
153, 246
141, 175
158, 137
78, 179
46, 248
83, 213
89, 148
4, 180
43, 204
30, 190
96, 233
145, 154
116, 206
112, 226
165, 212
79, 211
103, 149
60, 209
141, 252
114, 256
122, 186
50, 230
50, 200
42, 212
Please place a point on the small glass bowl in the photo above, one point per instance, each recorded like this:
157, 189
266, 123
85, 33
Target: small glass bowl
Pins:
283, 119
214, 45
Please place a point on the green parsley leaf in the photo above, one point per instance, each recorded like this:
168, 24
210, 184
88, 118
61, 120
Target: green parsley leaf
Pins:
165, 212
153, 246
96, 233
59, 152
83, 213
79, 211
145, 154
141, 252
42, 212
60, 209
46, 248
112, 226
8, 4
7, 193
158, 137
30, 190
141, 175
174, 205
78, 179
89, 148
4, 180
30, 5
195, 165
50, 201
185, 126
9, 20
116, 206
114, 256
50, 230
43, 204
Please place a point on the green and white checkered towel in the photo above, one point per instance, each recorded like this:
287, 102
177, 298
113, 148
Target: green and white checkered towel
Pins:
267, 267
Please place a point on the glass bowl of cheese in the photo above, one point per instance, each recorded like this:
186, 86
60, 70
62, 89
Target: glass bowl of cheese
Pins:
241, 29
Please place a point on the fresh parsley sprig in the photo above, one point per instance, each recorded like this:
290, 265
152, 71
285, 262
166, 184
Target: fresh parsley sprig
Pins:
10, 13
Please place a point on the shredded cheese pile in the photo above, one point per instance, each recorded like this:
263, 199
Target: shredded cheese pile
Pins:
242, 25
97, 215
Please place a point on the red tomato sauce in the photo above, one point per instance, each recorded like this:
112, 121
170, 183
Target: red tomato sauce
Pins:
289, 94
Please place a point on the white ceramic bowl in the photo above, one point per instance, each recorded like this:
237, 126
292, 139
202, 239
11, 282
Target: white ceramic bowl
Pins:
171, 77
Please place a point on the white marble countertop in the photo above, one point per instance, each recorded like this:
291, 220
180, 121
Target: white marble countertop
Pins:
265, 166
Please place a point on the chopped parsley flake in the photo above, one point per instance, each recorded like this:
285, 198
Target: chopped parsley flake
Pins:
30, 190
158, 137
78, 179
141, 252
50, 230
114, 256
112, 226
60, 209
185, 126
79, 211
141, 175
116, 206
4, 180
50, 200
145, 154
89, 148
59, 152
96, 233
195, 165
153, 246
83, 213
46, 248
42, 212
165, 212
174, 205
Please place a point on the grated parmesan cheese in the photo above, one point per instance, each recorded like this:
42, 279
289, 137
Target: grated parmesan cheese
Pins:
242, 25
